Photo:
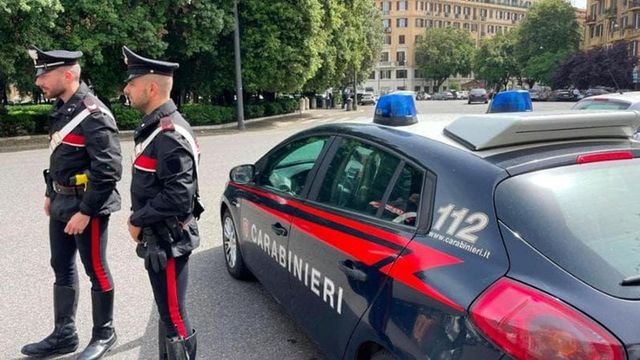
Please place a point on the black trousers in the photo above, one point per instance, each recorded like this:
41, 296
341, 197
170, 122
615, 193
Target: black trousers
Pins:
169, 290
91, 245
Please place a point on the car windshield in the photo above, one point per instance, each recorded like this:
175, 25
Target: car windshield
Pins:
601, 104
585, 218
478, 92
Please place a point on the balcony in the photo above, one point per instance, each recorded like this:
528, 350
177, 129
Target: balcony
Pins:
590, 19
387, 29
611, 12
385, 12
633, 4
401, 62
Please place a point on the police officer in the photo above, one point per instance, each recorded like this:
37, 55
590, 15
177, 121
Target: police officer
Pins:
84, 166
164, 196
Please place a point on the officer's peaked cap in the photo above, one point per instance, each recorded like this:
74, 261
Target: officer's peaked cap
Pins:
138, 65
48, 60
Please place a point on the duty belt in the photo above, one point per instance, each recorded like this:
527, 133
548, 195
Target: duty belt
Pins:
67, 190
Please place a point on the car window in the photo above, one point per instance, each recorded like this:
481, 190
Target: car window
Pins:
478, 91
404, 201
286, 169
357, 176
583, 217
601, 105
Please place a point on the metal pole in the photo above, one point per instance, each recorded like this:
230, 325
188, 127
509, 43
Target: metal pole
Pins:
236, 46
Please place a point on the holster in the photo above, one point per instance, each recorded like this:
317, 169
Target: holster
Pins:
159, 233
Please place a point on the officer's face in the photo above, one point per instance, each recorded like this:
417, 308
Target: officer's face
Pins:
138, 93
51, 83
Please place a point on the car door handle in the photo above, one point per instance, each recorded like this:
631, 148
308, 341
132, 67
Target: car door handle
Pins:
279, 229
348, 267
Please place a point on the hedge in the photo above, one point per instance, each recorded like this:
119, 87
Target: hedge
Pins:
33, 119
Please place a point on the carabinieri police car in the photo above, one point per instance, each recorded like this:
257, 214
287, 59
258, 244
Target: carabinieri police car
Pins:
491, 237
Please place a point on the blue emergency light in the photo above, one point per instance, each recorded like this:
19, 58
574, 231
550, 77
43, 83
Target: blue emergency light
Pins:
511, 101
396, 109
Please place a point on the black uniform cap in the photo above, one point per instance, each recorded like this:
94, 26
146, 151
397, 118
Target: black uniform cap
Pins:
138, 65
48, 60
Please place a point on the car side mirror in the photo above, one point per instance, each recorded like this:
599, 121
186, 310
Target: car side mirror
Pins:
243, 174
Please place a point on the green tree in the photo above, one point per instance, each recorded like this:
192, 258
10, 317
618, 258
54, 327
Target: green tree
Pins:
547, 35
281, 41
495, 61
444, 52
22, 23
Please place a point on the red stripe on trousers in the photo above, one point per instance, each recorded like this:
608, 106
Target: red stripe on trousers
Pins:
172, 298
96, 259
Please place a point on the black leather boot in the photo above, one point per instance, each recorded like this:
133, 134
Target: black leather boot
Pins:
162, 335
182, 349
64, 338
104, 335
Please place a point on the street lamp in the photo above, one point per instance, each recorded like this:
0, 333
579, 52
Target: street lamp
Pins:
236, 46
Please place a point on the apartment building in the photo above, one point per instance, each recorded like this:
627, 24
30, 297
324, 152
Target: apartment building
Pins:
405, 20
610, 21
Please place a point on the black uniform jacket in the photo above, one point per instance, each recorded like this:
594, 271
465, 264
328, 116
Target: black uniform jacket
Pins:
92, 147
164, 183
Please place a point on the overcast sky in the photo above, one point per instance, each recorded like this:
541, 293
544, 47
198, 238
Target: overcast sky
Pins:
582, 4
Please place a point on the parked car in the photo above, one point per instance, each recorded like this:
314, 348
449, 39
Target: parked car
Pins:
423, 96
565, 95
476, 239
367, 99
615, 101
541, 93
478, 95
463, 95
596, 91
443, 95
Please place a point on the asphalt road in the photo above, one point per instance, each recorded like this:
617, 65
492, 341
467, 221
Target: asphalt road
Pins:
234, 320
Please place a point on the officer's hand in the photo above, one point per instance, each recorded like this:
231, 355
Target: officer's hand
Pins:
47, 205
77, 224
155, 258
134, 231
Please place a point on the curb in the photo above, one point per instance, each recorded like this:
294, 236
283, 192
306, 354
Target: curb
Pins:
32, 142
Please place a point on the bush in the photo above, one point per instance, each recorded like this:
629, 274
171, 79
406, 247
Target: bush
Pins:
252, 111
127, 118
273, 108
202, 114
17, 125
288, 105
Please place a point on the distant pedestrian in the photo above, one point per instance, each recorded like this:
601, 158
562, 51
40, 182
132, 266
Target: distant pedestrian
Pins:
164, 197
84, 166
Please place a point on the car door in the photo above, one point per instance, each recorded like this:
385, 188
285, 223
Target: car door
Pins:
344, 240
266, 209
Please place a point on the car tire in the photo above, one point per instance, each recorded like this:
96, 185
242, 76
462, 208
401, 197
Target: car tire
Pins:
383, 355
231, 250
469, 102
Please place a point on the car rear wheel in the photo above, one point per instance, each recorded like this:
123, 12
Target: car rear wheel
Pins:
232, 255
383, 355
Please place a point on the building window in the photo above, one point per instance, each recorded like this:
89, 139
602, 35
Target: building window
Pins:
386, 7
429, 24
417, 74
401, 39
401, 74
372, 76
401, 58
385, 74
402, 5
401, 22
474, 27
384, 56
387, 39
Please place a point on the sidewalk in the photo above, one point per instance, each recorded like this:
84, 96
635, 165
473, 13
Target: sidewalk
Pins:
31, 142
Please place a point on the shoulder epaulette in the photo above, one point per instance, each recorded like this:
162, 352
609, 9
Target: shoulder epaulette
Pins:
91, 104
166, 124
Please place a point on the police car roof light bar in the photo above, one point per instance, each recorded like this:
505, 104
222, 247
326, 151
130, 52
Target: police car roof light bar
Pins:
481, 132
396, 109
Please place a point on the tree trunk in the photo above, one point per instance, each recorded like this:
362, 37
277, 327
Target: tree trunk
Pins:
531, 82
